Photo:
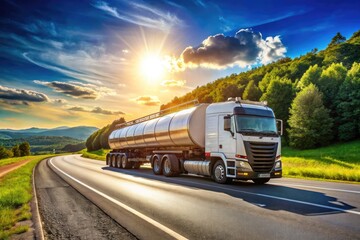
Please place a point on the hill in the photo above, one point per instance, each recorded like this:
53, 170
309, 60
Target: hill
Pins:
80, 132
44, 144
331, 76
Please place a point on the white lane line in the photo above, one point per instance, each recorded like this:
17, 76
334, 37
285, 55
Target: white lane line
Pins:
37, 213
323, 188
133, 211
278, 198
126, 175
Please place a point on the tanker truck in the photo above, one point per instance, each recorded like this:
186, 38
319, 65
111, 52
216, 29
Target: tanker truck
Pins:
236, 139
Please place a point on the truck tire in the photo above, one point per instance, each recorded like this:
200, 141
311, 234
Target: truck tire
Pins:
157, 168
125, 163
107, 159
169, 165
219, 173
113, 161
136, 165
118, 161
261, 181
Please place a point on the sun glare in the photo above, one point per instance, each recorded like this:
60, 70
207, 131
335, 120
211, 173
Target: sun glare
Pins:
152, 67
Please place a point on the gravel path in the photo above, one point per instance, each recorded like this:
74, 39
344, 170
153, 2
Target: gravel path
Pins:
66, 214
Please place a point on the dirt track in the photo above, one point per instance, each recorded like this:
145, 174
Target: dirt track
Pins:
8, 168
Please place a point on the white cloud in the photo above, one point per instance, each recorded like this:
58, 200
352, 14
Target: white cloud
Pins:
142, 15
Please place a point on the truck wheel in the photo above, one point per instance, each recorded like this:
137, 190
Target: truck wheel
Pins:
261, 181
219, 173
125, 163
107, 159
113, 161
118, 161
136, 165
168, 168
157, 168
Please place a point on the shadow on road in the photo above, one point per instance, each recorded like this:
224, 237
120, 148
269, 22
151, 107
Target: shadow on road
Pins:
268, 196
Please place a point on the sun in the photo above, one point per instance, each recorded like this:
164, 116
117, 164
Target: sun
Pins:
152, 67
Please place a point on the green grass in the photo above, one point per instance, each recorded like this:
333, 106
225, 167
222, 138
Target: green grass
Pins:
8, 161
15, 195
339, 162
97, 155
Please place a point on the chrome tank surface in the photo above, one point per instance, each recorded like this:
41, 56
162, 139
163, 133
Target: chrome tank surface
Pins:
183, 128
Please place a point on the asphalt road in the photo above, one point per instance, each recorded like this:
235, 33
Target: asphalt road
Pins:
156, 207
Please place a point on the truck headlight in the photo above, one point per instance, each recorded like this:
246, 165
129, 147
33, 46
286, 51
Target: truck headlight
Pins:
245, 166
277, 164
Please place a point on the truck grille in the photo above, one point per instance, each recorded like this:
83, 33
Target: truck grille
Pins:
261, 155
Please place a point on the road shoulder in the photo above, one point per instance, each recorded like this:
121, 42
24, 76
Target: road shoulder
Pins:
66, 214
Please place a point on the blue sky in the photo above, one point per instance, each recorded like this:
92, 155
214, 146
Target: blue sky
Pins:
90, 62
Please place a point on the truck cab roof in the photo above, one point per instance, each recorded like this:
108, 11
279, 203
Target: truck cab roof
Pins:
231, 106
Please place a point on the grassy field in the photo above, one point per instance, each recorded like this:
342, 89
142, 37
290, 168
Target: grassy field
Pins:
15, 195
339, 162
8, 161
98, 155
336, 162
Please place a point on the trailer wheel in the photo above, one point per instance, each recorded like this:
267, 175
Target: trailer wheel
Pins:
261, 181
136, 165
118, 161
169, 168
113, 161
107, 159
219, 173
157, 168
125, 163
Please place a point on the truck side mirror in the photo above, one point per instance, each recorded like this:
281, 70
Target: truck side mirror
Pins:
279, 124
227, 123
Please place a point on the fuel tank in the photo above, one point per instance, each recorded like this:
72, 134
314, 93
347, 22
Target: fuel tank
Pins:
183, 128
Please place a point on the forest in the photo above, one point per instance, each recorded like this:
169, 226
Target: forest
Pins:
317, 95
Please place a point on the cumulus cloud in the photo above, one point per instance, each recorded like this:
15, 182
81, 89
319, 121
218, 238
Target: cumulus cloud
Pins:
22, 95
97, 110
77, 89
245, 48
173, 83
148, 100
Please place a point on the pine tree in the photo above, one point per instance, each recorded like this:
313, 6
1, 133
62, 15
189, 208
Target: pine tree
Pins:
348, 105
309, 120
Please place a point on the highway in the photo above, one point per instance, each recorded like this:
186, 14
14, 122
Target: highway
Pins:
193, 207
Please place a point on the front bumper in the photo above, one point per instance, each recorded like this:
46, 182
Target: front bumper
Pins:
256, 175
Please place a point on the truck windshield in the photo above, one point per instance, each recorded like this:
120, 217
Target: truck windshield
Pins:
255, 125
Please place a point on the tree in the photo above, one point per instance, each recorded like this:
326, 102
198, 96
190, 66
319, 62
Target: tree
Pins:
96, 142
330, 81
16, 151
337, 39
279, 96
348, 103
5, 153
311, 75
252, 92
24, 149
309, 120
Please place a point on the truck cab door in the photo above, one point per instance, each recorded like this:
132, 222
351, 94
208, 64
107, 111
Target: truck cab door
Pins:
227, 140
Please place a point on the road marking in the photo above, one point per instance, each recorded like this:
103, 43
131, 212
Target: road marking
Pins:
323, 188
133, 211
278, 198
130, 173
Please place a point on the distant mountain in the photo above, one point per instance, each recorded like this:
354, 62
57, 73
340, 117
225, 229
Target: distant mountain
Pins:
80, 132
